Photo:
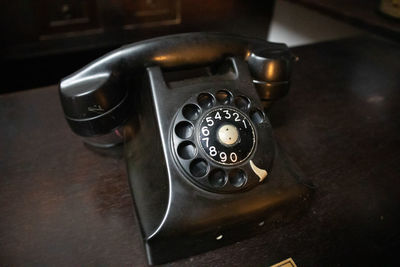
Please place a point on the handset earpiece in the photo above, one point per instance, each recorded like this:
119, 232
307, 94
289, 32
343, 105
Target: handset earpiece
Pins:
271, 70
94, 104
95, 99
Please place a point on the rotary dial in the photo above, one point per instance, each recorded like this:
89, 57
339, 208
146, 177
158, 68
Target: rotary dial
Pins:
226, 136
222, 141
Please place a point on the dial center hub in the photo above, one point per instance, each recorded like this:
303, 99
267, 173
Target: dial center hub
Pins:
228, 135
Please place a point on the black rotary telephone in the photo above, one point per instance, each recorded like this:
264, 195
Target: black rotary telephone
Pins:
202, 162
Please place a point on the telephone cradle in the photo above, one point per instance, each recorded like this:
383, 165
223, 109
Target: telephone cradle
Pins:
203, 166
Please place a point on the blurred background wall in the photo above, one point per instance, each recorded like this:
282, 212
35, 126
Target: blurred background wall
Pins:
45, 40
296, 25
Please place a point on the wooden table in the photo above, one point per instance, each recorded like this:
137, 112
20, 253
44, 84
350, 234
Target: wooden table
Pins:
64, 205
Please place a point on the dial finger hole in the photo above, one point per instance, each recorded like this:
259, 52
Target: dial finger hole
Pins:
191, 112
257, 116
205, 100
237, 177
217, 178
187, 150
198, 167
243, 103
184, 129
223, 97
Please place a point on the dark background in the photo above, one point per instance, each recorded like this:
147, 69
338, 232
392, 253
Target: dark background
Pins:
45, 40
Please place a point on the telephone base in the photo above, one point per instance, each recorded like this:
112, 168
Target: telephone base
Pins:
286, 196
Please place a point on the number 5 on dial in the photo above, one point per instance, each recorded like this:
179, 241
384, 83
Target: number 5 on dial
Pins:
209, 121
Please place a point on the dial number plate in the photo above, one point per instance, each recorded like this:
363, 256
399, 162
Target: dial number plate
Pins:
226, 136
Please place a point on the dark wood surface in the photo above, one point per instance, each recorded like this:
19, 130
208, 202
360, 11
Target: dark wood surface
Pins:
361, 13
64, 205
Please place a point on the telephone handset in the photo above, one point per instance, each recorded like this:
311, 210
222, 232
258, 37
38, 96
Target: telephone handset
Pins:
202, 162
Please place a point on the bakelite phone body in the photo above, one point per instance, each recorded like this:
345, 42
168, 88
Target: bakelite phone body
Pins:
203, 166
